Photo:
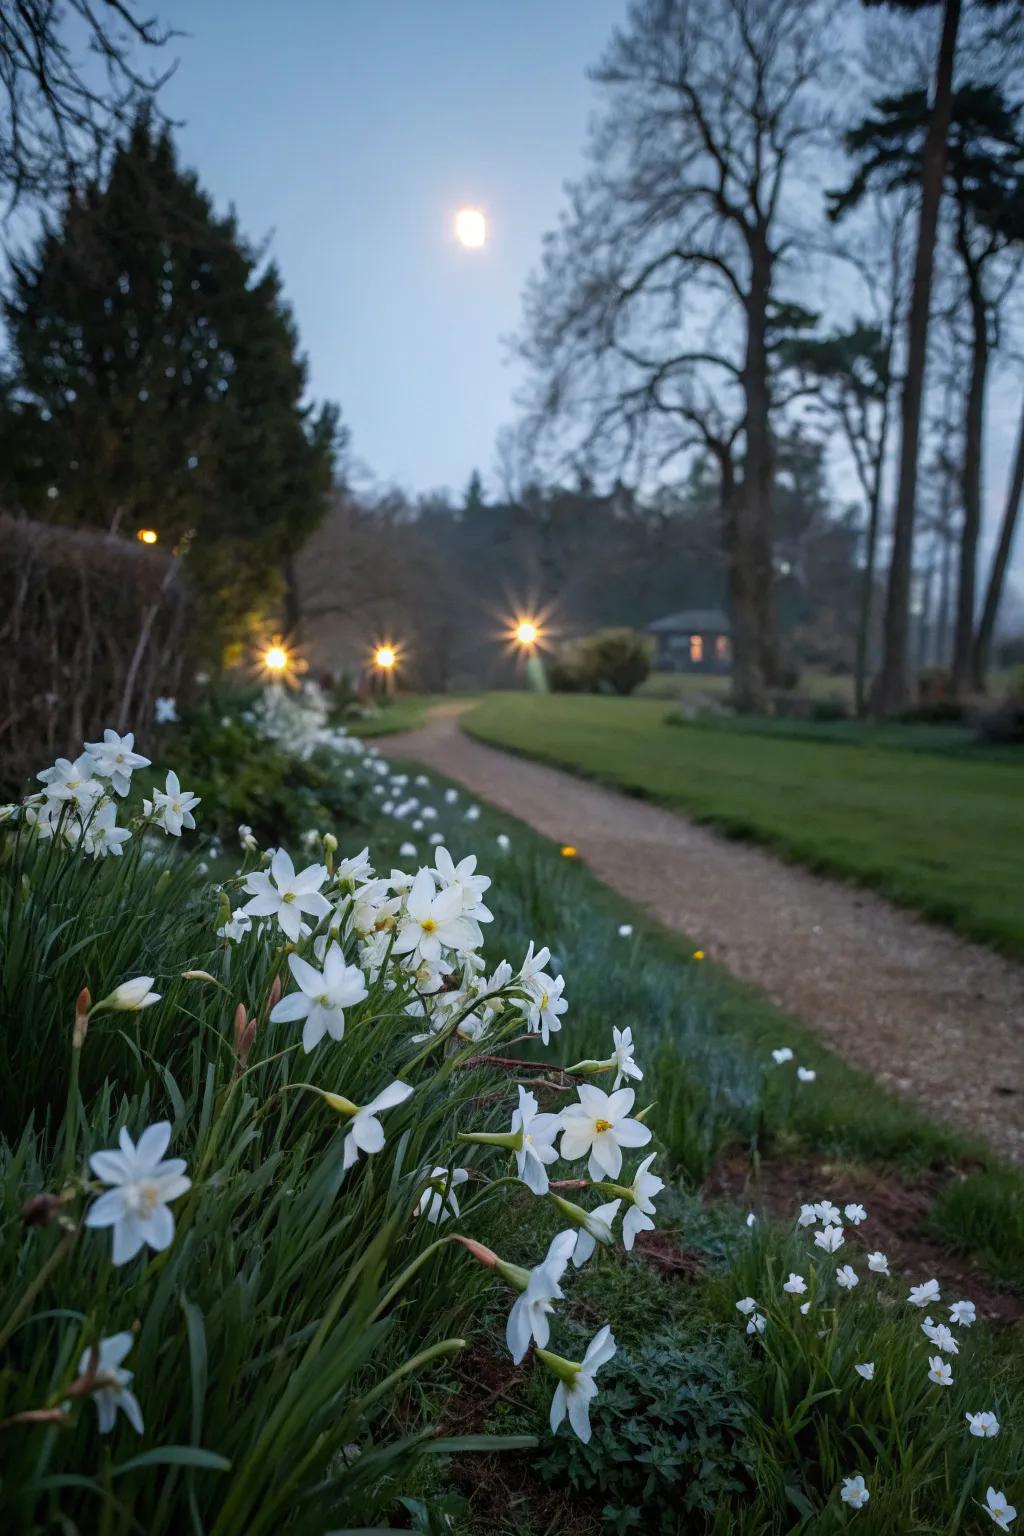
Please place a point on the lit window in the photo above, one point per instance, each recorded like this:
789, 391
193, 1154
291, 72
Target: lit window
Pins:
696, 647
722, 647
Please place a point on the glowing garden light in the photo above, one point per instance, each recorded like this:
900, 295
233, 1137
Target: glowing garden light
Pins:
385, 658
147, 535
276, 659
527, 633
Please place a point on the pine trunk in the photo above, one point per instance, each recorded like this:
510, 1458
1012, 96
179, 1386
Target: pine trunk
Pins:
997, 576
974, 436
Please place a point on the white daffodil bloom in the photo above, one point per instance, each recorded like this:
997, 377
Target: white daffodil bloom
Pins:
166, 711
599, 1125
596, 1229
805, 1308
435, 840
114, 759
828, 1214
577, 1387
940, 1371
365, 1133
237, 926
142, 1187
283, 894
433, 921
963, 1313
641, 1194
923, 1295
356, 869
473, 813
756, 1323
450, 795
112, 1383
746, 1305
781, 1055
831, 1239
855, 1214
622, 1056
460, 877
102, 836
72, 783
543, 1016
796, 1285
536, 1134
984, 1425
172, 806
130, 997
322, 998
806, 1074
438, 1200
854, 1492
866, 1369
847, 1277
625, 930
503, 841
808, 1216
407, 851
878, 1264
996, 1506
940, 1336
529, 1316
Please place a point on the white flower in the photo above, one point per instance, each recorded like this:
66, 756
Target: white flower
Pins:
143, 1185
365, 1133
112, 1383
855, 1214
575, 1395
757, 1323
438, 1200
751, 1220
1001, 1512
808, 1216
473, 813
131, 996
878, 1263
796, 1285
546, 1006
599, 1125
806, 1074
435, 839
433, 921
114, 759
781, 1055
407, 851
963, 1313
450, 795
355, 869
461, 877
940, 1336
746, 1305
940, 1371
625, 930
172, 806
622, 1056
867, 1370
828, 1213
538, 1133
846, 1276
529, 1316
805, 1308
286, 895
854, 1492
829, 1238
921, 1295
323, 997
984, 1425
72, 784
644, 1187
503, 841
239, 924
102, 835
596, 1228
166, 710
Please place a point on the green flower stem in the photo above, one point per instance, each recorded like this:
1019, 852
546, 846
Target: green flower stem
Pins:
565, 1370
446, 1347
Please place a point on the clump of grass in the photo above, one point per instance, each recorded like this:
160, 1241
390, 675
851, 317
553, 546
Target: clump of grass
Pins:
983, 1214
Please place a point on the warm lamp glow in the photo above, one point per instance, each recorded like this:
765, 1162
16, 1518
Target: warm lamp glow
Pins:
470, 228
384, 657
147, 535
275, 658
527, 632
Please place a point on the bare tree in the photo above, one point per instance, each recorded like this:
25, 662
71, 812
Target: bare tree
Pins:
653, 325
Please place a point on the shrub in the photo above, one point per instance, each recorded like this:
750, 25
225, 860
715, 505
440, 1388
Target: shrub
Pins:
609, 661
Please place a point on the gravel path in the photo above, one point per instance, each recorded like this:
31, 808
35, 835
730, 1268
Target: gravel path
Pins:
931, 1015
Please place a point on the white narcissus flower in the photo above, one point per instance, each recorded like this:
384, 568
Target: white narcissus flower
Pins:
130, 997
796, 1285
503, 841
808, 1216
112, 1383
940, 1371
644, 1187
577, 1387
356, 869
878, 1263
537, 1133
102, 835
746, 1305
756, 1323
435, 839
854, 1492
529, 1316
829, 1238
963, 1313
172, 806
846, 1276
72, 783
867, 1370
322, 998
922, 1295
546, 1006
114, 759
622, 1056
625, 930
142, 1187
855, 1214
596, 1228
984, 1425
806, 1074
781, 1055
407, 851
166, 711
996, 1506
940, 1336
600, 1125
433, 921
461, 877
438, 1200
365, 1133
237, 926
828, 1213
286, 895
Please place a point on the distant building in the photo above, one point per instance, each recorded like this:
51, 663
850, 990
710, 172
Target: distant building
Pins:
696, 640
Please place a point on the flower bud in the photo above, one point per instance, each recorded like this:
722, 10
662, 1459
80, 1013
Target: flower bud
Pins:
199, 976
130, 996
80, 1030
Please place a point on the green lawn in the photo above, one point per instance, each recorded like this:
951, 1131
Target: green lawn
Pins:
403, 713
940, 834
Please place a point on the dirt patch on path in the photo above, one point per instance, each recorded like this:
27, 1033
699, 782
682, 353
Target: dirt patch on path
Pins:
931, 1015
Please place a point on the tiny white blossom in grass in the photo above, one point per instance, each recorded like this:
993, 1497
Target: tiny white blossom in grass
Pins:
940, 1336
130, 997
984, 1425
751, 1220
237, 926
503, 841
806, 1074
756, 1323
531, 1310
172, 806
796, 1285
538, 1133
781, 1055
808, 1216
112, 1383
963, 1313
746, 1305
597, 1228
286, 895
866, 1369
828, 1213
473, 813
878, 1264
599, 1125
847, 1277
996, 1506
855, 1214
450, 795
166, 711
830, 1239
940, 1371
407, 851
622, 1056
625, 930
923, 1295
436, 839
438, 1201
644, 1187
577, 1387
114, 759
805, 1308
365, 1132
854, 1492
322, 998
142, 1186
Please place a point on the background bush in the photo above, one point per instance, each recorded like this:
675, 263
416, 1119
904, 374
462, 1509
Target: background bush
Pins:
608, 661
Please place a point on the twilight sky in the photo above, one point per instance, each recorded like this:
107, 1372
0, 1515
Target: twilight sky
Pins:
350, 131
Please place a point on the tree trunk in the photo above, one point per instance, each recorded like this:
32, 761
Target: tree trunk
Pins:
940, 650
893, 682
974, 432
757, 537
1001, 560
748, 690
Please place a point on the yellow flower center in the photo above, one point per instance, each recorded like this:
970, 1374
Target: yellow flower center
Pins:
288, 896
428, 925
602, 1125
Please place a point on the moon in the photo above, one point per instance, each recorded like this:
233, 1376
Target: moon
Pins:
470, 228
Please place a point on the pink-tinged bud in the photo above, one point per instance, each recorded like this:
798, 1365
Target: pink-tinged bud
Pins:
245, 1034
82, 1006
40, 1210
274, 995
486, 1256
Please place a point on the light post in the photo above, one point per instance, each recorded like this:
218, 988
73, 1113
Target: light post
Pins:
527, 636
385, 659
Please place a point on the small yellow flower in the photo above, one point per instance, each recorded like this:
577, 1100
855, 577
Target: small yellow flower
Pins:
698, 954
568, 851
